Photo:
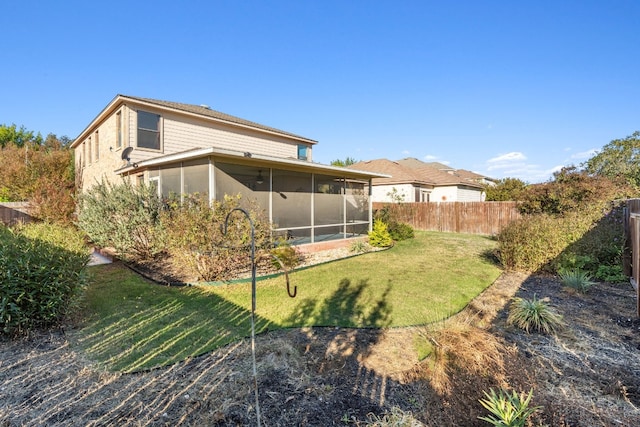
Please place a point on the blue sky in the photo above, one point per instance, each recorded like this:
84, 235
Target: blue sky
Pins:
503, 88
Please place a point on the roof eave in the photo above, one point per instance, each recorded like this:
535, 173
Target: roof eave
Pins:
203, 152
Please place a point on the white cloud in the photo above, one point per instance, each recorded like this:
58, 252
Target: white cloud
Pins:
406, 152
515, 164
509, 157
584, 155
429, 157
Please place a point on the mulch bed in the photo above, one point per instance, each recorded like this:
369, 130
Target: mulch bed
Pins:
589, 374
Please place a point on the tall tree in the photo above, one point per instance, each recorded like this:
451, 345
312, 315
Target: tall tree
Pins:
619, 159
42, 174
346, 162
19, 137
507, 189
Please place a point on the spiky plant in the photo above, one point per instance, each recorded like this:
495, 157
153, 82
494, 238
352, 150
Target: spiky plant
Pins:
577, 279
534, 314
507, 409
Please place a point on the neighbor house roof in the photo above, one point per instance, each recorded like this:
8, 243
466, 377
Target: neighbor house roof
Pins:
473, 176
398, 174
414, 163
201, 111
443, 173
419, 173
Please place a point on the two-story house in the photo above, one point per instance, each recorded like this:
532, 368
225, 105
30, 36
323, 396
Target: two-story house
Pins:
185, 149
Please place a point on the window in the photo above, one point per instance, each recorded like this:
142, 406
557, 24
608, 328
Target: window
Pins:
97, 147
148, 130
118, 129
89, 151
302, 152
84, 154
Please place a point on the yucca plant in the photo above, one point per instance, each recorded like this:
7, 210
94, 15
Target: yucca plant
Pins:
534, 314
507, 410
577, 279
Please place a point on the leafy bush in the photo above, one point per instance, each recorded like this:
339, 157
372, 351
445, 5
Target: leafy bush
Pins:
40, 280
611, 274
398, 230
379, 236
533, 314
195, 239
67, 237
123, 216
572, 190
43, 173
577, 279
359, 247
533, 242
507, 410
285, 254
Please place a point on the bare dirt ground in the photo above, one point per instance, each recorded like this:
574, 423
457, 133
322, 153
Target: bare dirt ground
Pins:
587, 375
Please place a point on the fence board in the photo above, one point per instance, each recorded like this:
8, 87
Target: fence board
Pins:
458, 217
632, 231
12, 213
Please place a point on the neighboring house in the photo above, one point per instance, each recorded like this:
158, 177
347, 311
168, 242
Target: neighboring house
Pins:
462, 173
475, 177
185, 149
411, 180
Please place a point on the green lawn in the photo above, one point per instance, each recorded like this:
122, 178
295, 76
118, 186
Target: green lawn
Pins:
132, 325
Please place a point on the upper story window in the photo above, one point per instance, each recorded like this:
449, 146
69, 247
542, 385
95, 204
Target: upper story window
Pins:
89, 157
118, 129
303, 152
148, 130
96, 141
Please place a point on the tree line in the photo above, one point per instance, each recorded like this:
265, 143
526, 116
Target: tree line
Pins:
39, 170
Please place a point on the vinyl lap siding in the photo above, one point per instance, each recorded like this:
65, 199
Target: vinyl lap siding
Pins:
469, 195
181, 136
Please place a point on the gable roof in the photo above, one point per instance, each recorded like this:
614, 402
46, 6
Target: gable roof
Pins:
398, 174
414, 163
201, 111
421, 173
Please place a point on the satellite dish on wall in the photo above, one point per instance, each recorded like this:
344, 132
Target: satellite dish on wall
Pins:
125, 154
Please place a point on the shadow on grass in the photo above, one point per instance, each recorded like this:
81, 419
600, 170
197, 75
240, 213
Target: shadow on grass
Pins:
345, 307
149, 326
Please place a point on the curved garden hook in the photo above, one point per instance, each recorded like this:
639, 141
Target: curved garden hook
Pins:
286, 277
253, 297
253, 302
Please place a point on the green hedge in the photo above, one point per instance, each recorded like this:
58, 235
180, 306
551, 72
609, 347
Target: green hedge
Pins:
40, 279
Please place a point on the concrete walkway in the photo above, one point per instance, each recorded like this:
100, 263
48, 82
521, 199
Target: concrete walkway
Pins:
97, 259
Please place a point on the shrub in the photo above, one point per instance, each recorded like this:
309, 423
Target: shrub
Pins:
379, 236
611, 274
577, 279
533, 242
194, 235
359, 247
285, 254
40, 281
533, 314
507, 410
67, 237
122, 216
398, 230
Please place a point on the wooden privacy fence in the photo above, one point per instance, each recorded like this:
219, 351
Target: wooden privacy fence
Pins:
459, 217
12, 213
632, 231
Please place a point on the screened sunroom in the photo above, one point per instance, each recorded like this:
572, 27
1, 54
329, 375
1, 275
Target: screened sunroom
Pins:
305, 202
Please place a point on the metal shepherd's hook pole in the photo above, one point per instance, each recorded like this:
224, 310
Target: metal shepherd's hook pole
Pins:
253, 303
291, 293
